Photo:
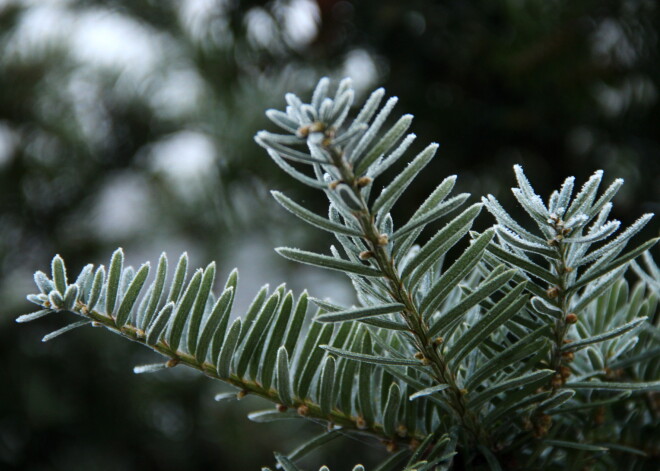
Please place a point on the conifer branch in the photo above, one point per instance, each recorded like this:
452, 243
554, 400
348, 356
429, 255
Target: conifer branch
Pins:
192, 312
440, 357
428, 349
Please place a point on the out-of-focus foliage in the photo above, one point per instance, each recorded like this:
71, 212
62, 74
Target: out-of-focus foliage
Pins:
567, 87
102, 103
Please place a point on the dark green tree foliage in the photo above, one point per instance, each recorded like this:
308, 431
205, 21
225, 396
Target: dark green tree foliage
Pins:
488, 360
565, 87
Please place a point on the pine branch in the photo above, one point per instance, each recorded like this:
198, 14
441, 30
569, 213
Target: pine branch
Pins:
578, 265
444, 356
190, 327
347, 173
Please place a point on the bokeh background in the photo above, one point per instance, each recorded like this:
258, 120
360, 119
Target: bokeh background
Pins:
130, 122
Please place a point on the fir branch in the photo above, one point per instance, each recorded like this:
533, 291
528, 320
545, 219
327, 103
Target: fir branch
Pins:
503, 365
358, 208
218, 351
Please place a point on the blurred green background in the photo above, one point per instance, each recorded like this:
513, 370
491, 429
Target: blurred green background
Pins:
130, 123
